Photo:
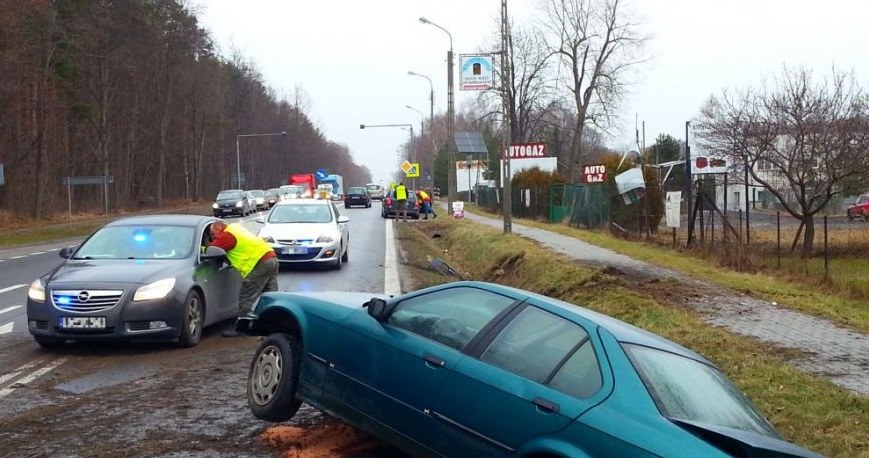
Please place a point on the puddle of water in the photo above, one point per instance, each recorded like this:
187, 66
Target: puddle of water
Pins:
114, 375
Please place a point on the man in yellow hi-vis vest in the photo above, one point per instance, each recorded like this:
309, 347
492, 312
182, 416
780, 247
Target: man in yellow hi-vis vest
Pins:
401, 201
254, 259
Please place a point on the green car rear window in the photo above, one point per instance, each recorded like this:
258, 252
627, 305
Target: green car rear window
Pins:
547, 349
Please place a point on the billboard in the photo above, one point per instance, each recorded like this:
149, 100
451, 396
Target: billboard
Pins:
705, 164
476, 72
527, 150
594, 173
469, 174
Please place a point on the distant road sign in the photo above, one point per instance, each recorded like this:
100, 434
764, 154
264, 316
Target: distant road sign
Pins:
405, 166
321, 174
412, 171
100, 179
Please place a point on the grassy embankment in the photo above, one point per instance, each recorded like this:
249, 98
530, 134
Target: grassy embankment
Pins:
807, 410
843, 298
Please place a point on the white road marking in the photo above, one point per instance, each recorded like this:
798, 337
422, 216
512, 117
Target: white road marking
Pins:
12, 375
10, 288
6, 328
33, 376
18, 257
9, 309
37, 253
391, 282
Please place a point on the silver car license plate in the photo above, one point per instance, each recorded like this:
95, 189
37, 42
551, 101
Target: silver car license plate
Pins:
294, 250
83, 322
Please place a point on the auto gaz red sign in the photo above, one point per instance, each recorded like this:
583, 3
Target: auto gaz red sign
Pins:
594, 173
527, 150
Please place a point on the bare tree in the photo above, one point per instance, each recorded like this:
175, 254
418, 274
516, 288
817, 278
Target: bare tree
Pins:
801, 140
529, 84
598, 42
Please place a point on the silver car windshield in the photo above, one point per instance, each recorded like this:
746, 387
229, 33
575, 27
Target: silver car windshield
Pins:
138, 242
300, 214
231, 195
686, 389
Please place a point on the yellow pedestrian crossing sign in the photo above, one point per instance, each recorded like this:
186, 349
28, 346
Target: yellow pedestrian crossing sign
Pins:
412, 170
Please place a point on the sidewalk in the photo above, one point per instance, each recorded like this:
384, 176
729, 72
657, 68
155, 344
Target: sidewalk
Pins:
829, 351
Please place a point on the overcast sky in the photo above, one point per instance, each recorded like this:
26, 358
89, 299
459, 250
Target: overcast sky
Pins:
351, 57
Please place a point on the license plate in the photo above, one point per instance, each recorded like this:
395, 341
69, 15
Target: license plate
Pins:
294, 250
83, 322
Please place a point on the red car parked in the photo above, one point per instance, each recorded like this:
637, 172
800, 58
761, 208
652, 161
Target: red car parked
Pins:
860, 208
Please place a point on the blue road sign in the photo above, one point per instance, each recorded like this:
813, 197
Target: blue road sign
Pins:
321, 174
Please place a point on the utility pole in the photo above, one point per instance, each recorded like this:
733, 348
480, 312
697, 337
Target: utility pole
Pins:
451, 126
507, 201
688, 186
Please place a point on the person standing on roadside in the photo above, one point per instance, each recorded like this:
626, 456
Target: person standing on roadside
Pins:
254, 259
401, 201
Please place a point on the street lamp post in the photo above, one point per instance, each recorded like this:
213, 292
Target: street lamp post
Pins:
431, 92
451, 163
429, 169
238, 152
412, 154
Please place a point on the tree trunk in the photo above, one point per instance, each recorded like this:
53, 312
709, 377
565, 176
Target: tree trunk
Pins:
808, 236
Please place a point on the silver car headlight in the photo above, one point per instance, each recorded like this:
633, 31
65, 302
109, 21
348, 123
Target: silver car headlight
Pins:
325, 239
214, 205
157, 290
268, 238
239, 204
37, 291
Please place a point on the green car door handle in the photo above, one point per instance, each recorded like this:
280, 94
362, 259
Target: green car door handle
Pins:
433, 361
545, 406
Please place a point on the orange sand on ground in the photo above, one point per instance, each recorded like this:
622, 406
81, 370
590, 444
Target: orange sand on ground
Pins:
322, 441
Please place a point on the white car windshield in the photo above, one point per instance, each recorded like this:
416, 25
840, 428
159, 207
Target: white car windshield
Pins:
138, 242
303, 213
685, 389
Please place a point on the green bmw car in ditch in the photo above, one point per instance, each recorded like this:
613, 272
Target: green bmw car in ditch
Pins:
471, 369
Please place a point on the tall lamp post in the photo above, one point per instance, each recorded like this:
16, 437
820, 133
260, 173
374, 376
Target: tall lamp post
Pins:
434, 149
451, 162
431, 92
412, 154
238, 153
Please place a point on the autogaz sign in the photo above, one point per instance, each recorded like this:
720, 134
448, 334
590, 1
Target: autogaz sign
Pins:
528, 150
594, 173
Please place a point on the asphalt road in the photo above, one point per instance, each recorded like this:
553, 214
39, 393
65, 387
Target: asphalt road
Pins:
150, 399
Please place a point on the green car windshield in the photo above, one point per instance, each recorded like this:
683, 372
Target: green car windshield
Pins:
138, 242
685, 389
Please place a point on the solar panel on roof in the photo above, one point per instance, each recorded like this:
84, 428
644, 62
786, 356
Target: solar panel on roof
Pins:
470, 143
